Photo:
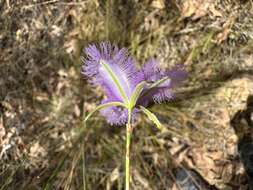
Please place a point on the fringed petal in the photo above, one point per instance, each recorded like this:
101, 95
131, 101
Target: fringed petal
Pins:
119, 62
151, 71
177, 76
117, 115
164, 91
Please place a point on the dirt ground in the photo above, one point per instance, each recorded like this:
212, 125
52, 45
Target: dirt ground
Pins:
208, 143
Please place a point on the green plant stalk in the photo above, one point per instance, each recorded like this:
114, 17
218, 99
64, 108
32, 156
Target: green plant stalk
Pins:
84, 167
129, 130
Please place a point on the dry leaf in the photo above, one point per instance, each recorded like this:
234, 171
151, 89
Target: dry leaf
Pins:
2, 131
188, 9
159, 4
114, 174
36, 150
196, 8
222, 36
214, 11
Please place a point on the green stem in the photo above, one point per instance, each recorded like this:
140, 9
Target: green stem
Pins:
129, 130
84, 167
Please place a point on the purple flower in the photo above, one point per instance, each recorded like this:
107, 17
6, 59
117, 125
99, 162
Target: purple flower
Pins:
115, 71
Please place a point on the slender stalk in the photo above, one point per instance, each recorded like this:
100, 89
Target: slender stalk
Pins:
129, 130
84, 167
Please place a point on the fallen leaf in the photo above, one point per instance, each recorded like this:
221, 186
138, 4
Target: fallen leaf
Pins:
159, 4
223, 35
197, 8
214, 11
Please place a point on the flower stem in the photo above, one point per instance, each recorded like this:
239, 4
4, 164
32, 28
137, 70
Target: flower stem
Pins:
129, 130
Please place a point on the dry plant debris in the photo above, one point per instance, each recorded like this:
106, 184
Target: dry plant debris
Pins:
43, 97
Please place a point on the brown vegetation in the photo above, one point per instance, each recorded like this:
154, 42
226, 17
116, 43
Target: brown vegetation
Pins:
44, 98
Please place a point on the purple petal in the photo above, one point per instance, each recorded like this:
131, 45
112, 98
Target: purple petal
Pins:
117, 115
164, 91
151, 71
177, 76
119, 62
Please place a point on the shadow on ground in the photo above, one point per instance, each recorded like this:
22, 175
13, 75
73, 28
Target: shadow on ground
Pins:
242, 123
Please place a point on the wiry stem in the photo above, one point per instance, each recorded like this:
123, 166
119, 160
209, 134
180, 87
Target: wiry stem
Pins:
129, 130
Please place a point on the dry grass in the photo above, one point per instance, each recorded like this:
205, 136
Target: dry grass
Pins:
43, 97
